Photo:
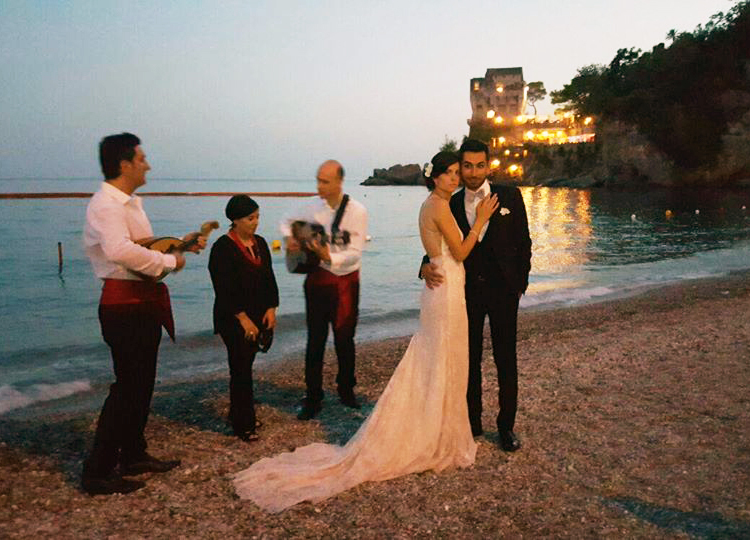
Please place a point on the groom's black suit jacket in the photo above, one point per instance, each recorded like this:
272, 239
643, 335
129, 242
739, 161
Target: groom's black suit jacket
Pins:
504, 255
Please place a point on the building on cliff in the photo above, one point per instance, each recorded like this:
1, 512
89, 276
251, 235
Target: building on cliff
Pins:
497, 97
498, 107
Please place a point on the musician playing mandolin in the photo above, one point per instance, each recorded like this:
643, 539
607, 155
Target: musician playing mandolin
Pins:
133, 307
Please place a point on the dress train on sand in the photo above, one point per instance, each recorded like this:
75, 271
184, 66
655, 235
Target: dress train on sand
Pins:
419, 423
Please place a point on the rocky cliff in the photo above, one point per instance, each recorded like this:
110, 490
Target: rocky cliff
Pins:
398, 175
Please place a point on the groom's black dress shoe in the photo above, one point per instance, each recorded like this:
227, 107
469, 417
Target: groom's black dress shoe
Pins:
348, 399
309, 410
148, 463
509, 442
112, 483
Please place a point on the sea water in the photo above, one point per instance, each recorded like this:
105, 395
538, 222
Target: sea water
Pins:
587, 245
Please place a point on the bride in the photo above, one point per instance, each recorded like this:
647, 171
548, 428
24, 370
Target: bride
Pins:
420, 421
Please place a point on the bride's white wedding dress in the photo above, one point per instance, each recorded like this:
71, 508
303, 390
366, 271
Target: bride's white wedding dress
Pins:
420, 421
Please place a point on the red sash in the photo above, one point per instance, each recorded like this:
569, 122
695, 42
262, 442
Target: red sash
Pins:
128, 291
345, 288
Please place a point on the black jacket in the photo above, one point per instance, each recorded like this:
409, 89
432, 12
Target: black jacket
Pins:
240, 285
504, 255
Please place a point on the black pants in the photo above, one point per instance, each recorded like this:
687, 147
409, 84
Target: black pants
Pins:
321, 302
133, 333
501, 305
241, 355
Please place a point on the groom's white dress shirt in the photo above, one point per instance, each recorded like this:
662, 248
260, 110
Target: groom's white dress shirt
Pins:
471, 200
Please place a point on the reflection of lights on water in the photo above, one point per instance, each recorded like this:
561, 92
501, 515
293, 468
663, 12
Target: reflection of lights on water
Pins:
583, 209
547, 286
560, 228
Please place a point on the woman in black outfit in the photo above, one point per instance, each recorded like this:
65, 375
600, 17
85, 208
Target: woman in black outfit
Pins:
245, 307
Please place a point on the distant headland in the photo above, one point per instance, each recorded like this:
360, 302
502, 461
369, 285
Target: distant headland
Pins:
397, 175
638, 121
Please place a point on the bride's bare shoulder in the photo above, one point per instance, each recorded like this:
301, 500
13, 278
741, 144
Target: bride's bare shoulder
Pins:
434, 205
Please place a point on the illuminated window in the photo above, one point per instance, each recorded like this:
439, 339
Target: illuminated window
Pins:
476, 86
490, 114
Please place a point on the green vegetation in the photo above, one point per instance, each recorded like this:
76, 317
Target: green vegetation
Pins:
449, 145
536, 92
690, 100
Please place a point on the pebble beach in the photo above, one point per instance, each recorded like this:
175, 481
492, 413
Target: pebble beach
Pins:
634, 415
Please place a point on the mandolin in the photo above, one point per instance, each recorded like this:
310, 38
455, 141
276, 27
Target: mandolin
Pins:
170, 244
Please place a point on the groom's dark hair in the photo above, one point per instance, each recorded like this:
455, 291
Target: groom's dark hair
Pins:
473, 145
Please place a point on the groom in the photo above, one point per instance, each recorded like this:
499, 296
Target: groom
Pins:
497, 274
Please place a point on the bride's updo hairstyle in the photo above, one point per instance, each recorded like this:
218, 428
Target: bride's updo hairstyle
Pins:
437, 166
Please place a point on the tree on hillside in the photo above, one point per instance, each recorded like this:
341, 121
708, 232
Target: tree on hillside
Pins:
536, 92
681, 97
449, 145
581, 93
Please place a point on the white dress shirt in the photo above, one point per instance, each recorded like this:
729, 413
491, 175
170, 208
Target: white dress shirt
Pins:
114, 220
471, 200
344, 259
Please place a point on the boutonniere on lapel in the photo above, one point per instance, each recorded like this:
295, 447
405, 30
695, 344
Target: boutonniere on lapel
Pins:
504, 211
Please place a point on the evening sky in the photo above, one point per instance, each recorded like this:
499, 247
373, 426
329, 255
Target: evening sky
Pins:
269, 89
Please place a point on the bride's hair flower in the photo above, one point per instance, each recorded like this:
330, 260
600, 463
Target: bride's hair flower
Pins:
428, 169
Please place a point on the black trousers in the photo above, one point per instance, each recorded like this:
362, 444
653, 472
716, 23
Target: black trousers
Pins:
485, 299
322, 302
133, 333
241, 355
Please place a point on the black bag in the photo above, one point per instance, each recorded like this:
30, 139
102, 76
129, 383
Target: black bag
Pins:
305, 261
265, 339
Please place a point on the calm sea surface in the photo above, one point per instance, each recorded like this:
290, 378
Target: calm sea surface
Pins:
587, 245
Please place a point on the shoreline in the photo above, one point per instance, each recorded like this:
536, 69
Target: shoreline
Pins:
633, 413
85, 195
398, 325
